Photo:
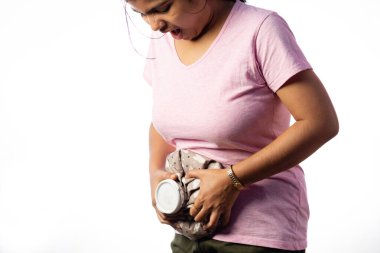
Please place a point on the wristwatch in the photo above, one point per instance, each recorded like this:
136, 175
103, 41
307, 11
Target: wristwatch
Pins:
235, 181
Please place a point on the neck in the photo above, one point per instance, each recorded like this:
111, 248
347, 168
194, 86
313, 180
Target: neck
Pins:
219, 10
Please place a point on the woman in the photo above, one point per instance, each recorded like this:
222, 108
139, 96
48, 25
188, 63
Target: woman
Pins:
226, 78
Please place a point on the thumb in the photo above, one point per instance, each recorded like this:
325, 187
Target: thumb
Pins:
173, 176
168, 175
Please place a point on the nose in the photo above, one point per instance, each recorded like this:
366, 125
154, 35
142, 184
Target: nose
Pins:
155, 24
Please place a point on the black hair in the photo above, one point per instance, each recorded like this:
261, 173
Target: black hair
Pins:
127, 17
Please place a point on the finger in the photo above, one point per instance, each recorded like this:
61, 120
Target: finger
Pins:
196, 207
226, 218
194, 173
162, 217
162, 220
194, 210
166, 175
173, 176
201, 215
213, 222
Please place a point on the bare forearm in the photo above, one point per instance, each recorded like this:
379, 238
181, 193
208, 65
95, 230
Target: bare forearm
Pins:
158, 149
316, 123
289, 149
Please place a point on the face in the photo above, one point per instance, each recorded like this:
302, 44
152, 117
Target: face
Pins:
184, 19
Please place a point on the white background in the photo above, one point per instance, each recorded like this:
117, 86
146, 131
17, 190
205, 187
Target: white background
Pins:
75, 112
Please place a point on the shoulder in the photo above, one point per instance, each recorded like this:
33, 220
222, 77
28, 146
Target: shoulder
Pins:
249, 13
250, 19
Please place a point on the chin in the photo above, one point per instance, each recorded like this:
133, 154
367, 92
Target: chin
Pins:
196, 37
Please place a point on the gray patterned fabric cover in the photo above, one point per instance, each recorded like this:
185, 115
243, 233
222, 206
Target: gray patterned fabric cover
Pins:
180, 162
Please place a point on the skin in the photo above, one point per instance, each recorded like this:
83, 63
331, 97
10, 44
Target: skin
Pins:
196, 18
304, 96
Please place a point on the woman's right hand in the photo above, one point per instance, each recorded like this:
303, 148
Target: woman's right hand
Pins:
156, 176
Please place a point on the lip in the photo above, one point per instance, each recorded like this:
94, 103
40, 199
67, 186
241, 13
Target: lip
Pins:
177, 34
168, 30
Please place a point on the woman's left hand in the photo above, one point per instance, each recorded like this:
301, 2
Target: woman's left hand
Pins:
216, 197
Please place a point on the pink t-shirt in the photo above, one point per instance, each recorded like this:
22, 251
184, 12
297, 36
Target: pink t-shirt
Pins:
224, 106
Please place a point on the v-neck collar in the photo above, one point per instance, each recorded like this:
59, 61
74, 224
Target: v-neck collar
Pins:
213, 44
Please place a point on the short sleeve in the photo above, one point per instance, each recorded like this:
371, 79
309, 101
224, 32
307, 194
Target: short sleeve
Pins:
278, 55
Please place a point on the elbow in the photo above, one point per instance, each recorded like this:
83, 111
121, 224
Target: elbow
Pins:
336, 129
323, 129
331, 128
334, 125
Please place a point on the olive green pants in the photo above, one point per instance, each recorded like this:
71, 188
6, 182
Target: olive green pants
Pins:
181, 244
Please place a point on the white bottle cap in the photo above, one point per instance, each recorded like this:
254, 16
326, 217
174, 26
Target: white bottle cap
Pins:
168, 196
